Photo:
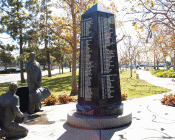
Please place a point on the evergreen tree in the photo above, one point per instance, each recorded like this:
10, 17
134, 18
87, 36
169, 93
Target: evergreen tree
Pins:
5, 54
45, 34
15, 21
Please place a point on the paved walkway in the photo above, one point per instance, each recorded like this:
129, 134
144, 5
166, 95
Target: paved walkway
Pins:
158, 81
5, 78
151, 121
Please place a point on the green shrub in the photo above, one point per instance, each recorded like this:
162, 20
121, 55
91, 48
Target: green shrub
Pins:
170, 74
124, 96
154, 72
64, 99
171, 71
51, 100
168, 100
159, 74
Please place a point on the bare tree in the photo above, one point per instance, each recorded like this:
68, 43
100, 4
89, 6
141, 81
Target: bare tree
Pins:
153, 14
131, 50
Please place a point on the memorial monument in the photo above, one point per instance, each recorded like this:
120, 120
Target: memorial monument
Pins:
99, 99
10, 114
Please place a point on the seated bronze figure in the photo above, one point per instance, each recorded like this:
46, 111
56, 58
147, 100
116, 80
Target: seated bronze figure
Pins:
10, 114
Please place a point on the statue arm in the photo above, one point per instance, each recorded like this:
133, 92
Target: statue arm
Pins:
40, 75
16, 110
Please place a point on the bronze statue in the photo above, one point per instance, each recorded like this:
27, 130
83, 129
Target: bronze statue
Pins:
10, 114
34, 76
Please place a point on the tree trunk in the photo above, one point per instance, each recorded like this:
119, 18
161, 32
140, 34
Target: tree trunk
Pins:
47, 57
147, 63
21, 43
74, 47
166, 64
70, 66
48, 63
5, 66
131, 68
157, 64
62, 68
46, 43
154, 61
135, 62
21, 62
74, 79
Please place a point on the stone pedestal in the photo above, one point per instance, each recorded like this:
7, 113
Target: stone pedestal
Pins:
76, 119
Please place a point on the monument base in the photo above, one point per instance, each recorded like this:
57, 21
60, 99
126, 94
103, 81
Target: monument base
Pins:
94, 110
76, 119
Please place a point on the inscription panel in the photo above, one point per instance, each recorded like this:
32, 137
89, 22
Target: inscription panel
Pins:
108, 85
107, 56
99, 77
86, 60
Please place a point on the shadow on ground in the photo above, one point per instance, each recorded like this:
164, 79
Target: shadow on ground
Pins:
74, 133
35, 119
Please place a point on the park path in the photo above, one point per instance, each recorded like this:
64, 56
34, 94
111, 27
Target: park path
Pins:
157, 81
12, 77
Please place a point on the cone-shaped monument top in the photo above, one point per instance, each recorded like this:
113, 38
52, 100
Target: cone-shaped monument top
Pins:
97, 8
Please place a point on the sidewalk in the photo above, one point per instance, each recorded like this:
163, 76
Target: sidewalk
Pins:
157, 81
13, 77
151, 120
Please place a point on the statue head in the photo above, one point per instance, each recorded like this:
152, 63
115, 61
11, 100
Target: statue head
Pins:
32, 56
13, 86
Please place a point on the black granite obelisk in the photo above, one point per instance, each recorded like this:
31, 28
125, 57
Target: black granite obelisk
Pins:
99, 100
99, 83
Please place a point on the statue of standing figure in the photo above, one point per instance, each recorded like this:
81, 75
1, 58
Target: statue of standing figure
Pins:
34, 76
10, 114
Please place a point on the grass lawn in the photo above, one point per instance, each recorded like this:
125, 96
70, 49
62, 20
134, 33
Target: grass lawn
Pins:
61, 84
137, 88
57, 84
